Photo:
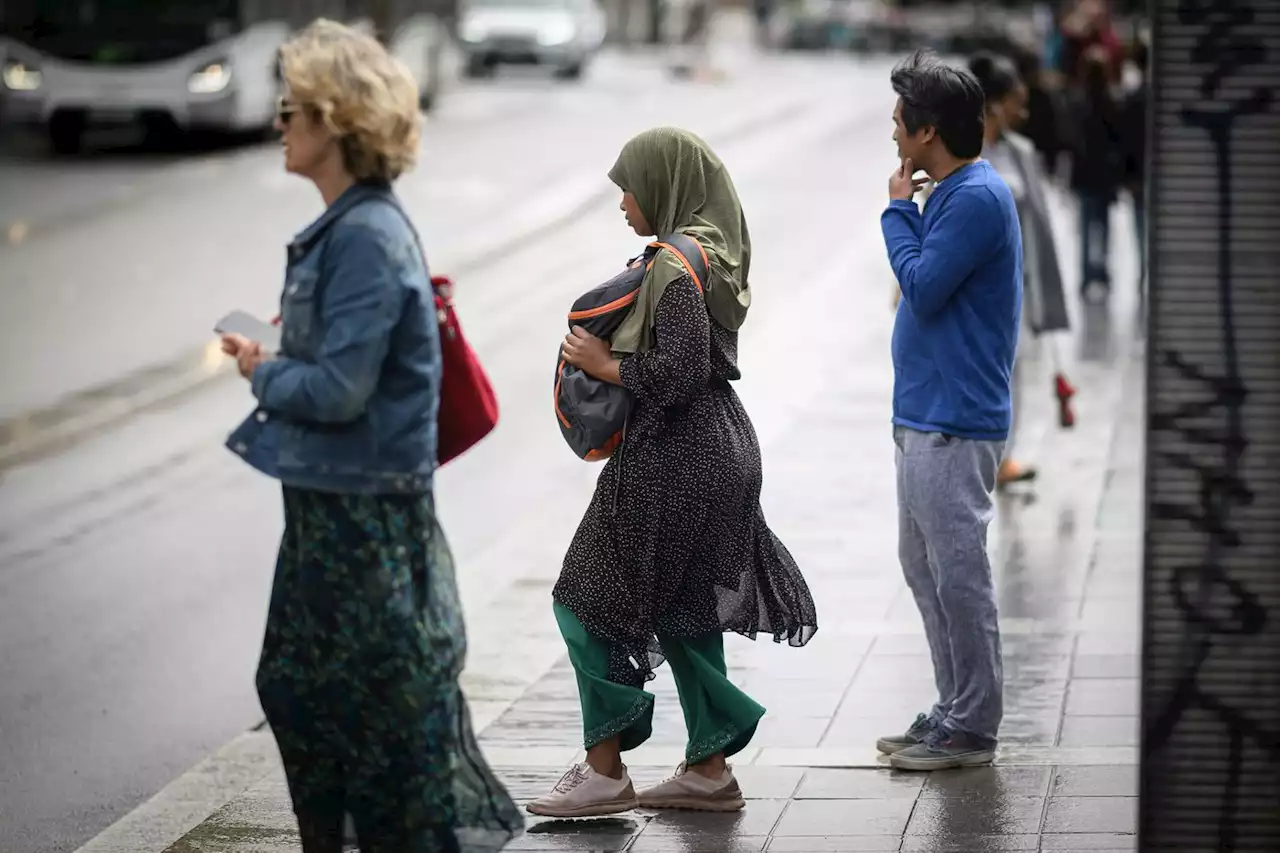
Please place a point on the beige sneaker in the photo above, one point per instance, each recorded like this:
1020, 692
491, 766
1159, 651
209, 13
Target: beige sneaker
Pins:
693, 791
582, 792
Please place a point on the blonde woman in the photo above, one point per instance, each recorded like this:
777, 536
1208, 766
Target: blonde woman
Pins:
364, 640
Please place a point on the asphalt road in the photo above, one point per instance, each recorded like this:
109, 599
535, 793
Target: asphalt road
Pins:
135, 565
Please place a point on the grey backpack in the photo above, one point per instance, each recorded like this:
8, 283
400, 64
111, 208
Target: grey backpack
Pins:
593, 414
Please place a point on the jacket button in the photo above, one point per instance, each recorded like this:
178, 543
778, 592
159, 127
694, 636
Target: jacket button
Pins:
241, 448
262, 417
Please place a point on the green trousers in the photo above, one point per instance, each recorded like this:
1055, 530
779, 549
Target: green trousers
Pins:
719, 717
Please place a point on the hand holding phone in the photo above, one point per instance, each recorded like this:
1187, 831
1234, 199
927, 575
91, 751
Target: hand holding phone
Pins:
242, 323
234, 344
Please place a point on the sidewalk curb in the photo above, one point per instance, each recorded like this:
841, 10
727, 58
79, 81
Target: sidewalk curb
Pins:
186, 802
39, 433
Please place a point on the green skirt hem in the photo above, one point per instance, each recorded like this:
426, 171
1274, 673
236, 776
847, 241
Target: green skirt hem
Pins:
730, 740
635, 726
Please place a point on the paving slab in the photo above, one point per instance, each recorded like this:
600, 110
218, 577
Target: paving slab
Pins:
1065, 778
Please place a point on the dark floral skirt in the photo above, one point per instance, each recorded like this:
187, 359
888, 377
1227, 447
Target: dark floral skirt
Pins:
359, 681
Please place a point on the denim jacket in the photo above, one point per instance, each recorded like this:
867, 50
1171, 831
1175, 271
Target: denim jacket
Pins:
349, 403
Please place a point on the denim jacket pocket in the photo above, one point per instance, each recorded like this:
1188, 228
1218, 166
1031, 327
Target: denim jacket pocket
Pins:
344, 449
299, 310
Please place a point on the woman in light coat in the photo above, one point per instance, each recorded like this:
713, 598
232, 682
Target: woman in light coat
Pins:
1044, 301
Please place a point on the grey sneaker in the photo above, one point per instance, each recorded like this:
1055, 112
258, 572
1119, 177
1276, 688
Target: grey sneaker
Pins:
582, 792
912, 736
943, 750
695, 792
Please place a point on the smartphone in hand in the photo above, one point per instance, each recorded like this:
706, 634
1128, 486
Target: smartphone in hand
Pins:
258, 331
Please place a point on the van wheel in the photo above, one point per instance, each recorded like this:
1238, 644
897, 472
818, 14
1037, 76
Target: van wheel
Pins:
431, 66
478, 66
573, 71
66, 134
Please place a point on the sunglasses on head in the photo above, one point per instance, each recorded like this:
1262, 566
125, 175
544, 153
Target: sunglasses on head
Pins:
285, 109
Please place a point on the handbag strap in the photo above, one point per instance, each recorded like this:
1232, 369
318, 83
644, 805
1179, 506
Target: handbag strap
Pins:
441, 286
436, 284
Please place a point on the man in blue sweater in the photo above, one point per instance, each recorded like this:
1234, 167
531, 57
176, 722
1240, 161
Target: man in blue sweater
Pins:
959, 265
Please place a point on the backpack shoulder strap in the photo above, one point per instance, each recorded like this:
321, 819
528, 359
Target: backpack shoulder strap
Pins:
690, 253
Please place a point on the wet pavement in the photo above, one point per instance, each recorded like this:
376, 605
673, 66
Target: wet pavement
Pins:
1065, 778
1066, 551
135, 563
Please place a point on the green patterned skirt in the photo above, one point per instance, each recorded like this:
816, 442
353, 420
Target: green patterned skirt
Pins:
359, 681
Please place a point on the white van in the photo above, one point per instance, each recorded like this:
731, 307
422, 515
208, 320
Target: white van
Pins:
66, 65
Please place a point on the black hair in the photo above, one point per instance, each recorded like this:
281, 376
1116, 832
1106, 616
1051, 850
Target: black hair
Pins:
1095, 77
1029, 63
997, 75
947, 99
1140, 53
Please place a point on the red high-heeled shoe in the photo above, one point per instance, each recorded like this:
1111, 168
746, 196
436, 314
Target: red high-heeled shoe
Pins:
1064, 391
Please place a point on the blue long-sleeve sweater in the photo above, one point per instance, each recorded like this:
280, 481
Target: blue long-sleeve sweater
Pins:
959, 265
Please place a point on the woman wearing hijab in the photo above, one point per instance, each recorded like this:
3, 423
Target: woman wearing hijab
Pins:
1014, 157
674, 551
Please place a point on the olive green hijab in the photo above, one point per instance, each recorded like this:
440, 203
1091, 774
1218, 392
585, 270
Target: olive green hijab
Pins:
682, 187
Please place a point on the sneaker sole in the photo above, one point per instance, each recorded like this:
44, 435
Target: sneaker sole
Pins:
1025, 477
695, 804
969, 759
593, 810
888, 747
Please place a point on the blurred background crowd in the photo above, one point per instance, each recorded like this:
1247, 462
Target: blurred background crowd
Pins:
1083, 63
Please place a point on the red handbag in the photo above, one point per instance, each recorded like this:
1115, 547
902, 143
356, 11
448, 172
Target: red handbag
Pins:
468, 406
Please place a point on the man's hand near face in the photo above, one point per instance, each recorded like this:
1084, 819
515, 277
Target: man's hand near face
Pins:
903, 184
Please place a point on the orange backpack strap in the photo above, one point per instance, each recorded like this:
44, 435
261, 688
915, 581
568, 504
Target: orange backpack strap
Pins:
690, 254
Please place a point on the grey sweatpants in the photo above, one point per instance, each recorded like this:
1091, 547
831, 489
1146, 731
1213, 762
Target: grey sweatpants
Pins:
944, 507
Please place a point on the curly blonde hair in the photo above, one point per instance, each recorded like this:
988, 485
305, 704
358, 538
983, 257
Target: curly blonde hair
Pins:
361, 93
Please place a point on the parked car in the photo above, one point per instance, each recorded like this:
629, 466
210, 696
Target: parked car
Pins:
561, 34
865, 26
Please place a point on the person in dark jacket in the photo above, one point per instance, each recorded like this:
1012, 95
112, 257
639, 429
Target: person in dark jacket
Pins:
1042, 122
365, 641
1133, 136
1096, 168
1087, 30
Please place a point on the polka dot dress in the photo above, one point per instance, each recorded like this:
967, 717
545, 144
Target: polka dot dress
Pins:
674, 541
